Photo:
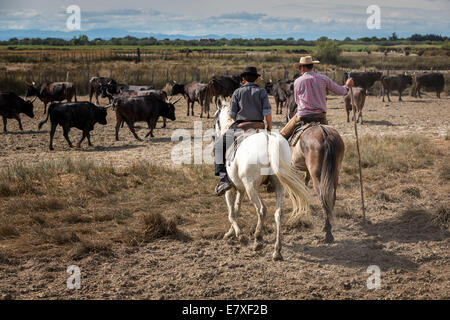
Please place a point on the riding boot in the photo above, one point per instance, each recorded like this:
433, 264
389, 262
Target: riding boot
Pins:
223, 185
289, 128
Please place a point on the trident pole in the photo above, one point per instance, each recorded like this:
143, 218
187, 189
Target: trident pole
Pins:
359, 155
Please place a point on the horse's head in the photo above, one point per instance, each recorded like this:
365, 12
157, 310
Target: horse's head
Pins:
222, 120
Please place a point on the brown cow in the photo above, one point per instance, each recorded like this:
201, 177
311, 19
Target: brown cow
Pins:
281, 91
193, 92
360, 97
52, 91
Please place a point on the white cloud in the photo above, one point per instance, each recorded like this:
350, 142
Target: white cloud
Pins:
264, 18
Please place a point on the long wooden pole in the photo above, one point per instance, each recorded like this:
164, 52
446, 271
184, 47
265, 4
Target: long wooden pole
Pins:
359, 155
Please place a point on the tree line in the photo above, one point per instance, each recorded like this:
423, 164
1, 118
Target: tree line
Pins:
151, 41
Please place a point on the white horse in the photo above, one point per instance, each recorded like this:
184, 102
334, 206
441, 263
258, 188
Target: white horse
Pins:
259, 155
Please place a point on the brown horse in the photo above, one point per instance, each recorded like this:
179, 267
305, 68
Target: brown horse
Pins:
319, 152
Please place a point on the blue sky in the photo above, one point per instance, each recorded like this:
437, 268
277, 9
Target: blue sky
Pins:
250, 18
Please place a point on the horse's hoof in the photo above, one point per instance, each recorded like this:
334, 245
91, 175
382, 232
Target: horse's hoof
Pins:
277, 256
329, 238
243, 239
228, 235
258, 246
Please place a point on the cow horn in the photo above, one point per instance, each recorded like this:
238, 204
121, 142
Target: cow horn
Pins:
34, 99
176, 100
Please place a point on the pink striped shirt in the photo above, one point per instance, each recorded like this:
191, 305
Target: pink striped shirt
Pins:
310, 92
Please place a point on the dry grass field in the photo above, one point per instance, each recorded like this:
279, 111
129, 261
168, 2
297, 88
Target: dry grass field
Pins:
140, 226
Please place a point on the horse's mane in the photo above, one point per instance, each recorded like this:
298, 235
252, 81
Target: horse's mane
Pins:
224, 118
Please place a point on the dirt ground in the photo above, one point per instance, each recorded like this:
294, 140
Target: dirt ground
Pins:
428, 116
412, 253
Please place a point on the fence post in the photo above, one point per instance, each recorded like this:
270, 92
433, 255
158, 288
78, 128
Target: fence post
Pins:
86, 81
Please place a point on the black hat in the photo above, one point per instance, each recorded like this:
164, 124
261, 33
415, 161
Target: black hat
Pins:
250, 70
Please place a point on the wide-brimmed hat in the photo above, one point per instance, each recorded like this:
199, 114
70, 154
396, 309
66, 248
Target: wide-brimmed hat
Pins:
306, 61
250, 70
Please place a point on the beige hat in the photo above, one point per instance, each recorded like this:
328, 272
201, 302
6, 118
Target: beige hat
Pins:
305, 61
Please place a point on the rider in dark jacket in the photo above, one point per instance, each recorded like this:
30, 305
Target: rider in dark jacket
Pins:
249, 103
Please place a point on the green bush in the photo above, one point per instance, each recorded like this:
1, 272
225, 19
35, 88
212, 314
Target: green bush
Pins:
446, 45
328, 51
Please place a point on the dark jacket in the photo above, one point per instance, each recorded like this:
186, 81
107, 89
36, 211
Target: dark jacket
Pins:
250, 103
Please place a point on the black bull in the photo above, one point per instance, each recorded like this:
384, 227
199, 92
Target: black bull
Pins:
81, 115
398, 82
104, 87
11, 105
429, 80
223, 86
142, 108
364, 80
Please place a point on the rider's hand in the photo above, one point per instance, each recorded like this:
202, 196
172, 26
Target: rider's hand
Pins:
350, 83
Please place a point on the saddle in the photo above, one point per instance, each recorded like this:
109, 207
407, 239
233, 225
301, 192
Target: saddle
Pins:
299, 130
251, 125
247, 129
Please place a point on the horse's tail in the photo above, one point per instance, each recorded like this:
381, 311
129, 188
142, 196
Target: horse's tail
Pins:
280, 163
327, 190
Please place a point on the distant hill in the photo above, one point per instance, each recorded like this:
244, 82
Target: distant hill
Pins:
105, 34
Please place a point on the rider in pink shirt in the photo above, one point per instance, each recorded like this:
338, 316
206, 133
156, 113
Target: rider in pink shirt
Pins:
310, 93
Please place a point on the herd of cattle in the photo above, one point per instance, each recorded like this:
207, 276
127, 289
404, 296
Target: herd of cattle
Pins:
145, 104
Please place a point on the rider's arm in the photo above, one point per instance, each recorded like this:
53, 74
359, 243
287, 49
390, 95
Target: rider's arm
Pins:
234, 104
269, 121
337, 89
267, 109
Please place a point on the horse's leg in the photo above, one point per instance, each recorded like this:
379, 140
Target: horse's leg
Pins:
255, 198
278, 214
234, 229
315, 168
237, 202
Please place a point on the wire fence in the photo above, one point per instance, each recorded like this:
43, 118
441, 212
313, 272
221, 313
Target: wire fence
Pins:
16, 80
